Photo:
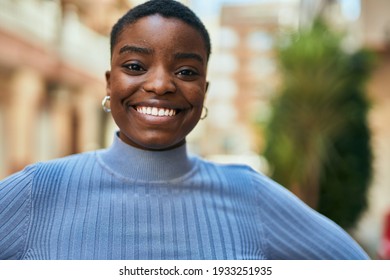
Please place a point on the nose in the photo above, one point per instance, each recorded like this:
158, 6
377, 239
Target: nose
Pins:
159, 81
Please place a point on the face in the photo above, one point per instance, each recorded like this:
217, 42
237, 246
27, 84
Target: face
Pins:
157, 82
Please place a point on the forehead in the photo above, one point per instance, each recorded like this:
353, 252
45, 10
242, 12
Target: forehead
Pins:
166, 32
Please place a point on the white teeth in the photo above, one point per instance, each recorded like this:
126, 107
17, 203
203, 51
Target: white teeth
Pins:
161, 112
156, 111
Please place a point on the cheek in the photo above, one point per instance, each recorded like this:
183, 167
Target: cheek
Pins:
121, 84
195, 96
122, 88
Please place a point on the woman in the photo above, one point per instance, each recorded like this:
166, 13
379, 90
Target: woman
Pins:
145, 197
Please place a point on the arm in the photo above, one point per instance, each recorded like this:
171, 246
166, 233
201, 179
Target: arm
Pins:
15, 210
295, 231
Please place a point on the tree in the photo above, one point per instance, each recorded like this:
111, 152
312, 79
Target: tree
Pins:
317, 138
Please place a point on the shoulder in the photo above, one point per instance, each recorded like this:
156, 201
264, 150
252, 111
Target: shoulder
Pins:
244, 173
70, 159
22, 179
36, 173
241, 178
226, 170
64, 165
26, 178
18, 196
15, 211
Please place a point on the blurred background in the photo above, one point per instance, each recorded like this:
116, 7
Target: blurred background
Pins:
53, 55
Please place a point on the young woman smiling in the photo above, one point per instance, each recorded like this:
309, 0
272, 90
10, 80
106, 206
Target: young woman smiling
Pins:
145, 197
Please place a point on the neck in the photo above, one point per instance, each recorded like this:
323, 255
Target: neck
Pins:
143, 165
131, 143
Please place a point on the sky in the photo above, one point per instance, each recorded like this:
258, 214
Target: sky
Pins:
206, 8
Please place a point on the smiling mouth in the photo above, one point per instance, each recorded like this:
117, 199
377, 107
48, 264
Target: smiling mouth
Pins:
155, 111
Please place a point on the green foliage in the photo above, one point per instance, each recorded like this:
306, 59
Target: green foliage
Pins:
317, 139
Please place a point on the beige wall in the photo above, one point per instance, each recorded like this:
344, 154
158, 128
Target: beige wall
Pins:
49, 93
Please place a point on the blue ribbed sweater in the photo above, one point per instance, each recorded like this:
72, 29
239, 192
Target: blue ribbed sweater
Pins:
125, 203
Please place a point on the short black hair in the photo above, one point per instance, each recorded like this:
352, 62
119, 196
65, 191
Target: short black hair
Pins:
165, 8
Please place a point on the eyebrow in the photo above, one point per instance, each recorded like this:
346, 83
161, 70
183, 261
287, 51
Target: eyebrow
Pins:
142, 50
189, 55
134, 49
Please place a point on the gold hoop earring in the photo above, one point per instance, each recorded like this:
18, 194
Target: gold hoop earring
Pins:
106, 108
205, 112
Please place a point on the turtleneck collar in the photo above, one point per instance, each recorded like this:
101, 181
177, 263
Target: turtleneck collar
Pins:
143, 165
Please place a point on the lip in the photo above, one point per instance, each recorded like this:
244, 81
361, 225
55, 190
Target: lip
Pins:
159, 103
156, 111
153, 119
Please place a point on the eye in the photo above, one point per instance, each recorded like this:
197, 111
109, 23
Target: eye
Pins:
187, 73
134, 67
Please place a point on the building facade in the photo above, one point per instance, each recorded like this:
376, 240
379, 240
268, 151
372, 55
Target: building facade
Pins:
52, 68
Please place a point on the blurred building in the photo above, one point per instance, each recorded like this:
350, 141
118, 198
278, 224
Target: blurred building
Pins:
244, 75
53, 55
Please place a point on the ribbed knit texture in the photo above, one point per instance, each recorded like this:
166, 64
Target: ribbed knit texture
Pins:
125, 203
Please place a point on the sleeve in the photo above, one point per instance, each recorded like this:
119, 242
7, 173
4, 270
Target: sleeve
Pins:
293, 230
15, 211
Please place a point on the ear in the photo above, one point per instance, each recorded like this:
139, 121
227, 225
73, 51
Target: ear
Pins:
207, 86
108, 83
